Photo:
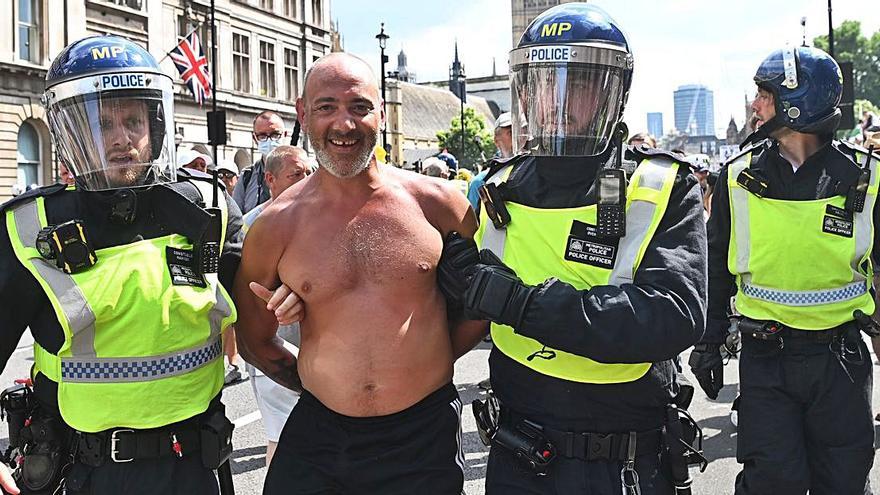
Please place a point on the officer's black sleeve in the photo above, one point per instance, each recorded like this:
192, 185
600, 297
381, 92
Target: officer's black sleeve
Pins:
662, 313
231, 255
721, 282
18, 306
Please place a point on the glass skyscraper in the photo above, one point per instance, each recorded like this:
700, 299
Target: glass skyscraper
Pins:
655, 124
694, 110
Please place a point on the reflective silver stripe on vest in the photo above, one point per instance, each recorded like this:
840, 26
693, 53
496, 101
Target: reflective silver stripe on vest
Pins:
139, 369
639, 218
863, 221
494, 239
739, 198
76, 309
806, 298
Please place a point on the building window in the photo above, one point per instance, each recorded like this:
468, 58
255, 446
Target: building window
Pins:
28, 155
132, 4
318, 12
267, 5
290, 8
291, 74
29, 30
267, 69
241, 62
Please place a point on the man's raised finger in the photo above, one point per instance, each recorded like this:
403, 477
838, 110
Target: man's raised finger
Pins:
260, 291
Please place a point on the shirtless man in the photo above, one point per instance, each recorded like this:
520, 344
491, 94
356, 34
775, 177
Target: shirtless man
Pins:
359, 243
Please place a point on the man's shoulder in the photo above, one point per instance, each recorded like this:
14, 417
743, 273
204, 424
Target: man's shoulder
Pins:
33, 194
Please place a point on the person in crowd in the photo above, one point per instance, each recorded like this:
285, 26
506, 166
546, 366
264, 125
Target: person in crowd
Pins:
227, 172
268, 131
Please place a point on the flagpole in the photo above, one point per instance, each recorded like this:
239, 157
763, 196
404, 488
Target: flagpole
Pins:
168, 53
214, 92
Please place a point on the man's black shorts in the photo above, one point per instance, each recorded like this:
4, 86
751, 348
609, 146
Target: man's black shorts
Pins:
414, 451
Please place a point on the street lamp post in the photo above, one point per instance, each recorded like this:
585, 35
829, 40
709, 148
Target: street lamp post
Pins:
383, 39
461, 115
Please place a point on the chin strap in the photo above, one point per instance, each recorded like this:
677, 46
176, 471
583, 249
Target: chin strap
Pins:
763, 132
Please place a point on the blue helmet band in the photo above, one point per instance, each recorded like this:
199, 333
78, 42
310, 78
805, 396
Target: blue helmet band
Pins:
581, 53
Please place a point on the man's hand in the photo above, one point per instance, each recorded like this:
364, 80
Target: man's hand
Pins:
286, 304
708, 366
458, 262
495, 292
6, 481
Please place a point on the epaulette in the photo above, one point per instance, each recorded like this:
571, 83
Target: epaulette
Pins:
43, 191
495, 164
850, 149
763, 144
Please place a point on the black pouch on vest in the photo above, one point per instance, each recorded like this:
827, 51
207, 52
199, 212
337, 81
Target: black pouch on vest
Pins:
216, 436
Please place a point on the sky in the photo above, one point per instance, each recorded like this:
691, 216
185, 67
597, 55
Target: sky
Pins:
718, 43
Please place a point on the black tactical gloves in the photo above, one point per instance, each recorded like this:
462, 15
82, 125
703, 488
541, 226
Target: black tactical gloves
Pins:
708, 366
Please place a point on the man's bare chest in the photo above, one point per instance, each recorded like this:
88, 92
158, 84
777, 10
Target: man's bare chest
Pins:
393, 247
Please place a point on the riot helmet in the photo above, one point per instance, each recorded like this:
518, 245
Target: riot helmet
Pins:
110, 111
570, 76
806, 84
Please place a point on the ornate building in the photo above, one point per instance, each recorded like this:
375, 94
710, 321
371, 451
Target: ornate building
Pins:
265, 47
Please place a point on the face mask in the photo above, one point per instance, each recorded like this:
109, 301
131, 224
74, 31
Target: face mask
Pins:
267, 146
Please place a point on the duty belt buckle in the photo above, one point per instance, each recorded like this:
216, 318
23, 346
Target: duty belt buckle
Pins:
599, 446
114, 440
770, 331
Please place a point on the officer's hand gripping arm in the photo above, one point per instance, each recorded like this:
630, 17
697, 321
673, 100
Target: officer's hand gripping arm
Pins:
495, 292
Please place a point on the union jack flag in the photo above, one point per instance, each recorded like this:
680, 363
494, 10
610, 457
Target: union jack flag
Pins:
193, 66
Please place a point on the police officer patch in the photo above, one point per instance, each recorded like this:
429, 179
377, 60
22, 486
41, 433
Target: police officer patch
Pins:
837, 226
586, 246
181, 267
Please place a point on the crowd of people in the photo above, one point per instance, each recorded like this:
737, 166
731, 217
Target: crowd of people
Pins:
350, 287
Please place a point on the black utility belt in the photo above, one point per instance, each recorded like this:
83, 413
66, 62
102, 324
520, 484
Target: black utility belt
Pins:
603, 446
126, 445
590, 446
773, 331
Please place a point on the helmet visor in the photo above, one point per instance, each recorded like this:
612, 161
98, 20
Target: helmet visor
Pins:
565, 109
116, 139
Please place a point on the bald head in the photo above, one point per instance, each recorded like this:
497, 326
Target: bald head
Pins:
340, 64
285, 166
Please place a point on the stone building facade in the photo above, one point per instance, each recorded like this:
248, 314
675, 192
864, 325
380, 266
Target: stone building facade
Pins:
264, 49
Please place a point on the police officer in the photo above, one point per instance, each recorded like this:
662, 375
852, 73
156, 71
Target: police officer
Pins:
597, 280
792, 232
119, 278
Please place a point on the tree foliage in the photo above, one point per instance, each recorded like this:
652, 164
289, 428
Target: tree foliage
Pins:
864, 52
474, 126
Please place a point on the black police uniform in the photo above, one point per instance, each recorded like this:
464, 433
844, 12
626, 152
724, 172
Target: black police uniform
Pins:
160, 211
652, 322
803, 423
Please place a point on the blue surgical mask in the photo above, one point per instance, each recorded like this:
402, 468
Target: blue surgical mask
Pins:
266, 147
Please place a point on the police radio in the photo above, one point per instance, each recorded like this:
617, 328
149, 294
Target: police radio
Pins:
493, 203
855, 197
611, 195
209, 248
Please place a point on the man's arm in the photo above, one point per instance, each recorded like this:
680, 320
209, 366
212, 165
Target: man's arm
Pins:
653, 319
458, 216
256, 329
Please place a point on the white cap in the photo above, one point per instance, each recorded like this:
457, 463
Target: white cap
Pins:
228, 165
185, 157
503, 120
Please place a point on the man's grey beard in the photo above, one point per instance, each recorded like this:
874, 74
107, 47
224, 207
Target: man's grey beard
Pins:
340, 170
